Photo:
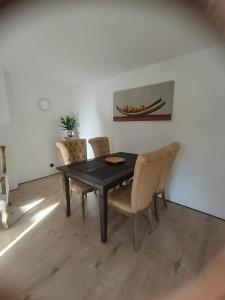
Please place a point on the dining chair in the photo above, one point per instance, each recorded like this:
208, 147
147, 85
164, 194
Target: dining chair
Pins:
170, 156
76, 151
4, 186
100, 146
136, 198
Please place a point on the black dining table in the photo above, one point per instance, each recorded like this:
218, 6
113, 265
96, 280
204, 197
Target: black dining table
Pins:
102, 176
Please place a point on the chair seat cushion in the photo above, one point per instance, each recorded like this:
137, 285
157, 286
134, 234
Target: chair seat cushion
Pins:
121, 199
80, 187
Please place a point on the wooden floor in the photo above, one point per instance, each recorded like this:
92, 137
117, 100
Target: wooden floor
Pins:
45, 255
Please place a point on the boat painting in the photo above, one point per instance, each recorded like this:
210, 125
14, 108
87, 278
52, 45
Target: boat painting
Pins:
148, 103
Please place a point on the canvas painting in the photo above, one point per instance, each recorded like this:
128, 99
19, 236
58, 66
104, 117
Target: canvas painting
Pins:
148, 103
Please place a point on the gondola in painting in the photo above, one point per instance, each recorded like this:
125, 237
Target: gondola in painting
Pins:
147, 103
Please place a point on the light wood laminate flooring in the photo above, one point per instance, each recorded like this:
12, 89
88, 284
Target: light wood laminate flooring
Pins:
45, 255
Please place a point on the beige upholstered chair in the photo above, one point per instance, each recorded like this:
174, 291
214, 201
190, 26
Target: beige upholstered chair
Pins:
136, 198
76, 151
170, 155
100, 146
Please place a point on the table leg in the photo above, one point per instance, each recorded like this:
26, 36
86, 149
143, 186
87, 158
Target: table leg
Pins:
103, 207
67, 192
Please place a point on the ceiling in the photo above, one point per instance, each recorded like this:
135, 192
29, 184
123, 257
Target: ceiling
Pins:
74, 42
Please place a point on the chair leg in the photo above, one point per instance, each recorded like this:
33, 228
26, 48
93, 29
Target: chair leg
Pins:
83, 206
164, 199
4, 218
155, 202
150, 218
135, 237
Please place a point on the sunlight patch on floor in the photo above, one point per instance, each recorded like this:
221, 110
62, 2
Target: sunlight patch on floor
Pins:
31, 205
36, 219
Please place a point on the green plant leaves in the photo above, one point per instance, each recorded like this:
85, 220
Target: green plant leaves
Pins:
69, 122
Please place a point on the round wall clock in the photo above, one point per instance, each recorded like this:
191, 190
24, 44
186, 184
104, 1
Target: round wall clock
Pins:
44, 104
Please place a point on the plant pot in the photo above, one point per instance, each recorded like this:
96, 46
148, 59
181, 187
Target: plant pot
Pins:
70, 133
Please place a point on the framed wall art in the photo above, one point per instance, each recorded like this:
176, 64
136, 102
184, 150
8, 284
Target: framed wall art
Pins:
148, 103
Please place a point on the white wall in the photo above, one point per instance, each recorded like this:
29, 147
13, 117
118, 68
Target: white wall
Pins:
4, 111
198, 123
35, 132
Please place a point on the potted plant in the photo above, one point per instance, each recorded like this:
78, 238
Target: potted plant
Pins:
68, 123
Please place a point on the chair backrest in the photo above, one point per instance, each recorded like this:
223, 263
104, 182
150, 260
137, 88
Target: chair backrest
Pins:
73, 150
146, 176
100, 146
172, 151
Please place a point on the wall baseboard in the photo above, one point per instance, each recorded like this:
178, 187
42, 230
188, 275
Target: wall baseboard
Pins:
34, 180
202, 212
